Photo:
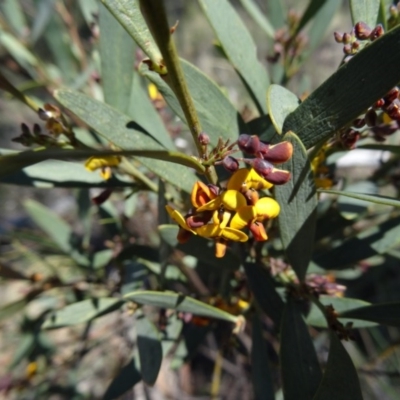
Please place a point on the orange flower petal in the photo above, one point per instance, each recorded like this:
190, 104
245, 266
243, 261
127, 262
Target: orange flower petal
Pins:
258, 231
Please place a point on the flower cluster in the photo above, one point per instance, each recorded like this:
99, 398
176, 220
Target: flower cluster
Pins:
223, 214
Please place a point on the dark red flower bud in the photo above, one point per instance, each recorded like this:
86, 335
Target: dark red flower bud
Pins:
249, 144
204, 139
379, 103
377, 32
347, 49
371, 117
279, 153
214, 189
392, 95
36, 130
278, 176
338, 37
25, 129
261, 166
362, 30
355, 46
230, 164
347, 38
183, 235
102, 197
393, 110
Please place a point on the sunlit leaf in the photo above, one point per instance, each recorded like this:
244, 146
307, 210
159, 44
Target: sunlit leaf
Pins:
365, 11
82, 311
178, 302
239, 47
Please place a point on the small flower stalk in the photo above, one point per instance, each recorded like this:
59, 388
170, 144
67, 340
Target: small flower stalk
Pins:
227, 214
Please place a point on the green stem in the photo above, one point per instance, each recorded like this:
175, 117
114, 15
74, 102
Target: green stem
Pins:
155, 15
131, 170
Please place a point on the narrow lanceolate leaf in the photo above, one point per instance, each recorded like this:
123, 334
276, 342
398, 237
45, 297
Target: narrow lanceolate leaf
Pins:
56, 228
117, 52
142, 111
276, 13
341, 305
82, 311
298, 201
384, 314
384, 200
239, 47
122, 132
301, 373
376, 240
280, 103
51, 173
150, 349
263, 288
128, 14
348, 92
178, 302
259, 17
340, 380
126, 378
261, 373
365, 11
218, 117
312, 9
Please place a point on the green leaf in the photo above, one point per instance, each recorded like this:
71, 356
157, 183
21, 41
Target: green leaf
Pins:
48, 174
375, 240
11, 309
56, 228
348, 92
259, 17
144, 113
298, 200
340, 380
150, 349
239, 47
126, 378
276, 13
301, 373
117, 52
263, 287
341, 305
201, 248
280, 103
179, 302
365, 11
261, 373
383, 200
82, 311
172, 334
384, 314
321, 21
381, 147
218, 117
312, 9
15, 16
352, 208
128, 14
119, 129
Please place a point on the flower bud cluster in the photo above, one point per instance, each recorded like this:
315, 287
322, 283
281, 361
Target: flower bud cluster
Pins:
286, 45
359, 37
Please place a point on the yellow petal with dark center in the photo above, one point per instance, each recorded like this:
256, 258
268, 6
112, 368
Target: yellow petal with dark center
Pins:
178, 218
232, 200
266, 208
211, 205
237, 180
234, 234
209, 231
244, 179
243, 216
94, 163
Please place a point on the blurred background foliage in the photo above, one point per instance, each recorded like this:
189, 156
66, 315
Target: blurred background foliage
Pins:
74, 243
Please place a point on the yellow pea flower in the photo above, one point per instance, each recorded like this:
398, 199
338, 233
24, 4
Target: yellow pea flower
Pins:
244, 179
104, 163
